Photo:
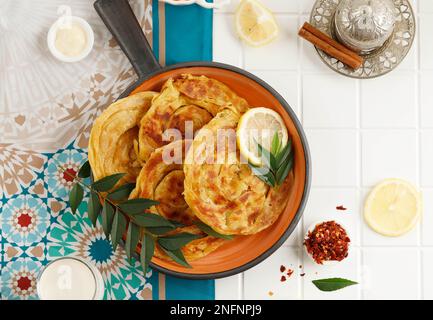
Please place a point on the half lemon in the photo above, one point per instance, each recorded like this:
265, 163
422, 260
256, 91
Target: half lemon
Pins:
255, 24
259, 125
393, 207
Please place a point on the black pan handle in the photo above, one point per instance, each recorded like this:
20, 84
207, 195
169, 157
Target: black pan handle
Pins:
119, 18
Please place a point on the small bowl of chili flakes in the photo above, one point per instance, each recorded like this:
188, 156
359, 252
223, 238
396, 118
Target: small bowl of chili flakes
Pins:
327, 242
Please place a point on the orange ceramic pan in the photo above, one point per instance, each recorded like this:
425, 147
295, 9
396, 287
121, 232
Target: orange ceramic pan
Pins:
244, 251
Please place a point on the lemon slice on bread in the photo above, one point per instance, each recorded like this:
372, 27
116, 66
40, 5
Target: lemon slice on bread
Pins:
259, 125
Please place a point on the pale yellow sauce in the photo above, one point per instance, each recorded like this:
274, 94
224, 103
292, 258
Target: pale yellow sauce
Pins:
71, 40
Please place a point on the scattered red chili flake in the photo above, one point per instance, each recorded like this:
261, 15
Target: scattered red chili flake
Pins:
282, 268
289, 272
341, 208
283, 278
328, 241
302, 274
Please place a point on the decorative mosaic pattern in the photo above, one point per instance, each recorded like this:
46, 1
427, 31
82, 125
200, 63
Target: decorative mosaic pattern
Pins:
380, 61
44, 132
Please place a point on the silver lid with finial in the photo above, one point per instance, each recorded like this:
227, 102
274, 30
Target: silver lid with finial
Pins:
364, 25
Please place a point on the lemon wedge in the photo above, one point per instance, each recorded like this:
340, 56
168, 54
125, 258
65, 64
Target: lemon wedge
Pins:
255, 24
259, 125
393, 207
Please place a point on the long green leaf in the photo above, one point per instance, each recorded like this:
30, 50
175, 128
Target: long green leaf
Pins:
76, 197
158, 231
177, 257
284, 170
118, 229
151, 220
284, 154
147, 250
276, 144
132, 237
107, 183
333, 284
267, 158
177, 241
211, 232
84, 171
107, 218
122, 192
94, 207
263, 174
177, 224
137, 206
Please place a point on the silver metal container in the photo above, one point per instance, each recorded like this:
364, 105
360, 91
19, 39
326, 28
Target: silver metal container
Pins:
364, 25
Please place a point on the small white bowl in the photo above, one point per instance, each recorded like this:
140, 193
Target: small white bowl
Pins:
51, 38
326, 262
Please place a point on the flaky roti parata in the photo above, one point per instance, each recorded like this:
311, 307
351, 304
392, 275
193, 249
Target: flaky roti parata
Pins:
188, 98
226, 195
161, 179
111, 144
195, 249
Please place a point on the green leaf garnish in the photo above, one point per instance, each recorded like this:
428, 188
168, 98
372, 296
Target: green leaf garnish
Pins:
151, 220
107, 183
84, 171
76, 197
158, 231
118, 228
122, 192
147, 250
177, 257
137, 206
177, 241
277, 162
107, 218
211, 232
132, 237
94, 207
333, 284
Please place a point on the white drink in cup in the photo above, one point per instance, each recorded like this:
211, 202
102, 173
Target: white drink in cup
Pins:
70, 278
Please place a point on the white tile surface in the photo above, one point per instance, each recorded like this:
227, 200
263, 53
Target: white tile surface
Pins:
389, 101
388, 154
323, 203
282, 54
426, 26
427, 158
223, 33
265, 277
328, 101
229, 288
334, 157
425, 6
427, 259
347, 269
358, 135
427, 218
390, 273
426, 99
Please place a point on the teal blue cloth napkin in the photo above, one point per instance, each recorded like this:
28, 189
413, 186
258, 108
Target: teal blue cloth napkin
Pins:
180, 34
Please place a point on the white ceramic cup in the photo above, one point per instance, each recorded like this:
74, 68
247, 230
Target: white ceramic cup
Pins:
51, 38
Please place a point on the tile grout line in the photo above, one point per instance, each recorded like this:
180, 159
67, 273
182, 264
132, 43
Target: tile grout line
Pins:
359, 185
419, 146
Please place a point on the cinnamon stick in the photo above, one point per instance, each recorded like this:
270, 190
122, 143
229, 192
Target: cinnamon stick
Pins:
330, 46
